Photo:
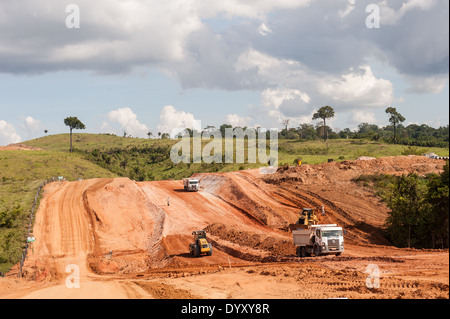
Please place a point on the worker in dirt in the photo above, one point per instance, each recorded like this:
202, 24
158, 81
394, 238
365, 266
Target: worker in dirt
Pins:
168, 201
323, 210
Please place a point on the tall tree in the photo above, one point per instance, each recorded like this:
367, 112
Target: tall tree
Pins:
286, 124
395, 118
324, 113
74, 124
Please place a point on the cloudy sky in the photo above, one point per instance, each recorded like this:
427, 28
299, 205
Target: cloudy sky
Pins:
150, 66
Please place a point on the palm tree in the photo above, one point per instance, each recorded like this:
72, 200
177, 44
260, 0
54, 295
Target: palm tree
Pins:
324, 113
394, 118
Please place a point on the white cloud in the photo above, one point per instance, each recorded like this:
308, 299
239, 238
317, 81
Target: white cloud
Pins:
128, 122
32, 126
171, 119
280, 104
348, 10
264, 29
8, 134
358, 117
274, 98
390, 16
421, 85
299, 54
238, 121
255, 9
357, 87
114, 35
300, 89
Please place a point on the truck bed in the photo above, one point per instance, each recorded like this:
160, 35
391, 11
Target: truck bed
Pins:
301, 237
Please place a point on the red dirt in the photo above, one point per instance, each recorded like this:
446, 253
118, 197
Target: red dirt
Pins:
130, 240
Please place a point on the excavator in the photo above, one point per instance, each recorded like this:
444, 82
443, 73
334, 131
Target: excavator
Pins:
306, 218
200, 245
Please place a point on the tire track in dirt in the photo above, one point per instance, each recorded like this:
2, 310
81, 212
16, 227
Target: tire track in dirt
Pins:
245, 217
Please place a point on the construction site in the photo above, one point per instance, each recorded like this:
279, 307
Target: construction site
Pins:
230, 239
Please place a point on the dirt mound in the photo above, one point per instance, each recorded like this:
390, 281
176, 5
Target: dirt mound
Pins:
117, 227
251, 196
336, 172
272, 246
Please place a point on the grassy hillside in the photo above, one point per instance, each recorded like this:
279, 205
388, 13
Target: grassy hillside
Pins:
89, 142
110, 151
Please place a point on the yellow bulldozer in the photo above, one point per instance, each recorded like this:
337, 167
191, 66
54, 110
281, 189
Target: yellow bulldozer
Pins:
306, 218
200, 246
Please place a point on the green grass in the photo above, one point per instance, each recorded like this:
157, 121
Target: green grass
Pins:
89, 142
316, 152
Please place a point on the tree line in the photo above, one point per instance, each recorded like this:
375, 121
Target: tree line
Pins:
395, 133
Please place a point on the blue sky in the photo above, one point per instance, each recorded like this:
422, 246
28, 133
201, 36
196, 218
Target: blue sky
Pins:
141, 66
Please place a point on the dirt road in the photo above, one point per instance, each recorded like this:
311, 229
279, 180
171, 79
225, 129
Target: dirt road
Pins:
130, 240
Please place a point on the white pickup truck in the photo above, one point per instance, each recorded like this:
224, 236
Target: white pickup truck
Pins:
319, 240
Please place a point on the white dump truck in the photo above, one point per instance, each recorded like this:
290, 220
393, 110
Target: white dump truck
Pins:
191, 184
319, 240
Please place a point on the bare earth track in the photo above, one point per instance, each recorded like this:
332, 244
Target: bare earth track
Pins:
130, 240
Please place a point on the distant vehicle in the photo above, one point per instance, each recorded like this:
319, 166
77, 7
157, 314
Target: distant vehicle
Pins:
435, 156
200, 245
191, 185
319, 240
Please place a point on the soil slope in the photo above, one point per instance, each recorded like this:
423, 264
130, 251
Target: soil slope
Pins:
127, 238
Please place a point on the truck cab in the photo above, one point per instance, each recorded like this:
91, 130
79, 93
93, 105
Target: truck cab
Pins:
330, 240
319, 240
191, 185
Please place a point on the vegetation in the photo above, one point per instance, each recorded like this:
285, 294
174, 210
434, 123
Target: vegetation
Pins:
324, 113
411, 135
419, 208
395, 118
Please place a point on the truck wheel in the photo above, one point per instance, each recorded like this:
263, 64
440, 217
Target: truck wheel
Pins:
210, 250
316, 251
196, 251
338, 254
303, 252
